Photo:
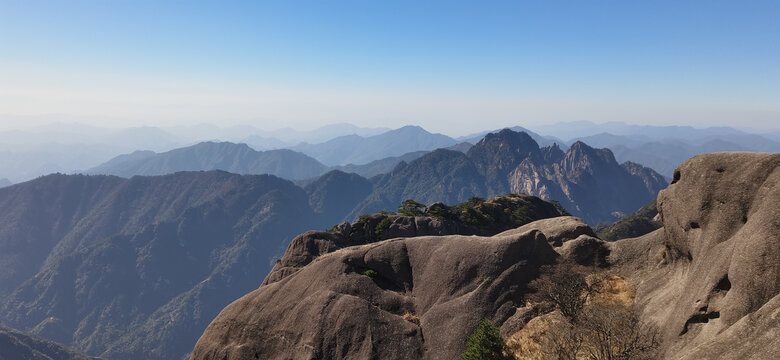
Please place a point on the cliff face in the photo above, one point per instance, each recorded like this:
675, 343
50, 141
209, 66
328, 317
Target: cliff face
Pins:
587, 181
711, 276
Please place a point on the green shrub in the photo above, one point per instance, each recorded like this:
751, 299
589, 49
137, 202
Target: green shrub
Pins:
370, 273
521, 215
363, 219
382, 226
476, 200
485, 344
410, 207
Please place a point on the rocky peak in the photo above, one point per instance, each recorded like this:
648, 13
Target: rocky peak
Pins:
582, 157
652, 179
552, 154
498, 154
518, 142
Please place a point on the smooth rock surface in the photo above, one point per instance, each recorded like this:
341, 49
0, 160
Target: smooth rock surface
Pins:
329, 309
712, 273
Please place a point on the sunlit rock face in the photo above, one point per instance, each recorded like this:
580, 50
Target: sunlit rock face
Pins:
710, 277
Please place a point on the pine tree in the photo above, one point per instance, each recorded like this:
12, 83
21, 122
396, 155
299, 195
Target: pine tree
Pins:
485, 344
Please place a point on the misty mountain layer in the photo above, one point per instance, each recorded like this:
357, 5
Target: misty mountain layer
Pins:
235, 158
354, 149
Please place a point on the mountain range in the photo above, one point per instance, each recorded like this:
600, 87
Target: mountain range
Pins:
137, 267
354, 149
586, 181
235, 158
662, 148
583, 179
74, 148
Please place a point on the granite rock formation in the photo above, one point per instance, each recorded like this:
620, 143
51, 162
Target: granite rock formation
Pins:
424, 298
710, 277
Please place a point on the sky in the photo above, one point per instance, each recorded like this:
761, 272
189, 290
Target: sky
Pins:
452, 67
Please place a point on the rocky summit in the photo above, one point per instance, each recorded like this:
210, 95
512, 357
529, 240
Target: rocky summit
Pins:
708, 281
402, 298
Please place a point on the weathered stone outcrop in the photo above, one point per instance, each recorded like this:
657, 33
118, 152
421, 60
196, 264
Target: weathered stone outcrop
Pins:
426, 296
306, 247
712, 273
557, 229
492, 216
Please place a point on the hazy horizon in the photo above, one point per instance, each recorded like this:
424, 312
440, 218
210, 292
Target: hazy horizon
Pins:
46, 124
450, 67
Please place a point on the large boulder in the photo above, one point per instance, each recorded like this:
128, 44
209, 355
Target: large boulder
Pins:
395, 299
558, 229
715, 265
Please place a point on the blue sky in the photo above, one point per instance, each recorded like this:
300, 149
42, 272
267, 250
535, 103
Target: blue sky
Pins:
449, 66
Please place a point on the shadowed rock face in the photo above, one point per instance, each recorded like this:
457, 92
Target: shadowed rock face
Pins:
715, 264
329, 309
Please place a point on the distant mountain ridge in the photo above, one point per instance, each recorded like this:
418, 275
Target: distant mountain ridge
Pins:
235, 158
578, 129
73, 148
354, 149
662, 148
381, 166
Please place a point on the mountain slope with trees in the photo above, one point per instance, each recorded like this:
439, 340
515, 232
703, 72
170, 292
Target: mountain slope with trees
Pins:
130, 268
16, 344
